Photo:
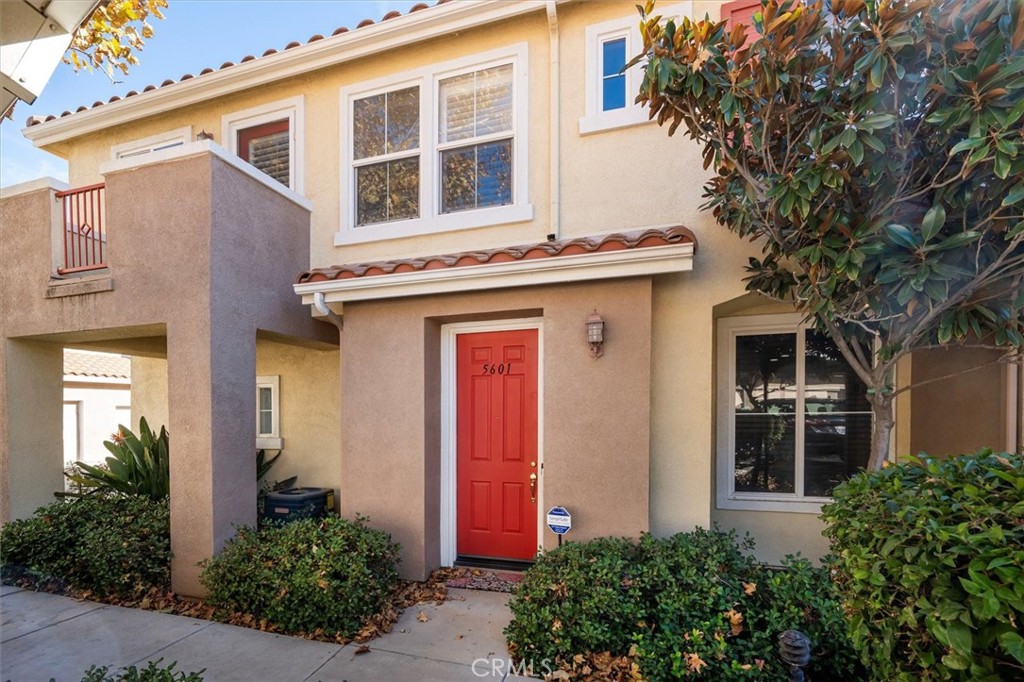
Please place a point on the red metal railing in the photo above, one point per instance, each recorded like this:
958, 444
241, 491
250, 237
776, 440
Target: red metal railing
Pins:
85, 242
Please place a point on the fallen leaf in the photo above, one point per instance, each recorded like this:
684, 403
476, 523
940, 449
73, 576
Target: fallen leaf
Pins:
422, 617
694, 662
362, 650
735, 621
749, 588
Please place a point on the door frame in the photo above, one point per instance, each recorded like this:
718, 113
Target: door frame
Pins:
449, 416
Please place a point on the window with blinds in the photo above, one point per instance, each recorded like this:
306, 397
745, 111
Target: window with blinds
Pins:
475, 138
268, 148
386, 151
800, 417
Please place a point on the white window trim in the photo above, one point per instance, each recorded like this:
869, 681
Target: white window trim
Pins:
153, 143
292, 108
273, 440
596, 119
727, 497
431, 220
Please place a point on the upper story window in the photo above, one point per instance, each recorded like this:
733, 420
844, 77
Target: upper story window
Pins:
610, 89
270, 138
442, 148
794, 419
155, 143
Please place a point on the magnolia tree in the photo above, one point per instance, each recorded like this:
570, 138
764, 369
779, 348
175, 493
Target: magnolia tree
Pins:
112, 36
874, 148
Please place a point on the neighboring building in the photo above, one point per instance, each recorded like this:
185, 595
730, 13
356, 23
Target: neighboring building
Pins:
97, 399
462, 398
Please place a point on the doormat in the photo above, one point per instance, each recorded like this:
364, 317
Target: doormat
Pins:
479, 579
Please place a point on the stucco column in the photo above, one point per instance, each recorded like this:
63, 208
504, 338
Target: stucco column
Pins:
31, 436
211, 379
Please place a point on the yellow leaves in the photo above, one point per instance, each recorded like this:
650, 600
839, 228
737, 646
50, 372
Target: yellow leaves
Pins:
110, 38
749, 588
422, 617
694, 663
735, 621
556, 625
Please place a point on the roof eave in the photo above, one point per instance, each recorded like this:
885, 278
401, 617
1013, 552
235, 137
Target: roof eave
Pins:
403, 30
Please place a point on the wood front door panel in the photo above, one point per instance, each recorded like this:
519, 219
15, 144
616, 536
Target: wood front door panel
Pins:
496, 387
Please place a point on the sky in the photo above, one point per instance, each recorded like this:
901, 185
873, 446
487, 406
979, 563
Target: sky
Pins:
194, 34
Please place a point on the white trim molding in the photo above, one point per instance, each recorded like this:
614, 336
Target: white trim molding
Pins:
397, 33
449, 425
595, 118
271, 440
291, 108
431, 220
636, 262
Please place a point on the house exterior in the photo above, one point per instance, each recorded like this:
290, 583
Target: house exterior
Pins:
97, 399
400, 238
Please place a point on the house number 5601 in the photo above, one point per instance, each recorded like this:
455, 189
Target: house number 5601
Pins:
500, 368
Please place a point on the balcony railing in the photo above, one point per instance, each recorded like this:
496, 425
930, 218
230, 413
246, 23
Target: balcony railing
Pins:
85, 242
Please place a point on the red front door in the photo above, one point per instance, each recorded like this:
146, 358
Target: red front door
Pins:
496, 463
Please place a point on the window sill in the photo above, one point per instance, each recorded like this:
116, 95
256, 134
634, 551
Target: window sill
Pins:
613, 120
92, 282
449, 222
268, 443
773, 503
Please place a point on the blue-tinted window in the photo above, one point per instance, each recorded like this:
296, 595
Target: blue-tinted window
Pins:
613, 81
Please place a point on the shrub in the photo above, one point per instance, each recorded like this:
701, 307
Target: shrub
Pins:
113, 546
693, 605
314, 574
931, 566
139, 465
153, 672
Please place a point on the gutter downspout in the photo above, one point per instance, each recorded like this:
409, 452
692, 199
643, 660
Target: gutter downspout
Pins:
320, 304
555, 124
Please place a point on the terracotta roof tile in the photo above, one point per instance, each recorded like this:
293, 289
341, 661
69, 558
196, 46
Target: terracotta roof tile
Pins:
553, 249
89, 364
36, 120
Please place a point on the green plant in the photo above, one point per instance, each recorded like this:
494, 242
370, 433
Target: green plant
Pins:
873, 148
326, 574
139, 465
113, 546
693, 605
930, 565
153, 672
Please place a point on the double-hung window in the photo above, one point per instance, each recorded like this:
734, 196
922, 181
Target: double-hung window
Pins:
441, 148
794, 419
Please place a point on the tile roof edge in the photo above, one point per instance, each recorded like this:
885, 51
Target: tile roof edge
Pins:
337, 40
668, 236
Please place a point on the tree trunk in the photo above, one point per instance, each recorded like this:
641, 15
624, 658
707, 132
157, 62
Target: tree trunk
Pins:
881, 409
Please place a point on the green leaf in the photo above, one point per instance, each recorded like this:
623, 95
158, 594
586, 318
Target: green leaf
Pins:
1015, 194
933, 221
1013, 643
957, 240
903, 236
960, 638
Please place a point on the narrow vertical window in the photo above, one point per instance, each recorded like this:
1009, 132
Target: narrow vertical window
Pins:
266, 411
613, 78
475, 139
386, 142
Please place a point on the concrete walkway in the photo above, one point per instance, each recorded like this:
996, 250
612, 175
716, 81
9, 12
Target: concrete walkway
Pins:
45, 636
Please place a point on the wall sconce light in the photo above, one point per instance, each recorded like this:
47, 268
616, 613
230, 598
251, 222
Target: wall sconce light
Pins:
595, 334
203, 135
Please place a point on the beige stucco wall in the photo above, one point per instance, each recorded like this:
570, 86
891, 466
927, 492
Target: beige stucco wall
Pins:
595, 415
310, 395
149, 391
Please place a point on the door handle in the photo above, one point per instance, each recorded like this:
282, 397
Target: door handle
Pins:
533, 488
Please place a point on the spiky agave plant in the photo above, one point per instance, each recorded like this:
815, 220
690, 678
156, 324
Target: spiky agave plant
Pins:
139, 465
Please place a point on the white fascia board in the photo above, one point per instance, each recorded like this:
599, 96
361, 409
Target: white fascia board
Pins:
399, 32
653, 260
